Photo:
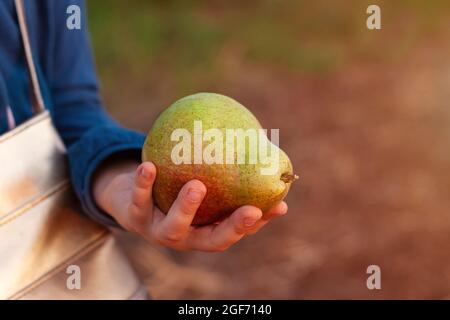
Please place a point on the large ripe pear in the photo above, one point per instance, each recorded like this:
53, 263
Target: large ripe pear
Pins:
229, 186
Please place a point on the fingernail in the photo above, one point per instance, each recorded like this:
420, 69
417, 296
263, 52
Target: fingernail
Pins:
194, 195
144, 173
249, 222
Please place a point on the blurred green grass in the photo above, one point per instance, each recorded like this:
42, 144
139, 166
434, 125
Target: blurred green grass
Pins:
185, 39
134, 36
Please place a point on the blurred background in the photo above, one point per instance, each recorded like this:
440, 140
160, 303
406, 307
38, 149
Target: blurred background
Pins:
364, 116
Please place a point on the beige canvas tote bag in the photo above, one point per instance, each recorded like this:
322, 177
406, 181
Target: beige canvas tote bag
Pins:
48, 248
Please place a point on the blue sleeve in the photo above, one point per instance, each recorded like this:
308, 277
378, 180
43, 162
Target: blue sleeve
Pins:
89, 133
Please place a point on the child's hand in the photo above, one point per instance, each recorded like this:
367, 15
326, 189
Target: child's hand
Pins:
126, 193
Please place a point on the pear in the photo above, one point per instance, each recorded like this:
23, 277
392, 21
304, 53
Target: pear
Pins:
185, 143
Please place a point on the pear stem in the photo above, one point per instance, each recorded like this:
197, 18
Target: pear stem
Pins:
288, 177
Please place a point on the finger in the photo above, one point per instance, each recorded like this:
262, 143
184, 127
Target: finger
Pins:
176, 225
278, 210
145, 176
140, 207
226, 233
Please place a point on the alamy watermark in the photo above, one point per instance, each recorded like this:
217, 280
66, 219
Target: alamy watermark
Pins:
73, 21
373, 21
374, 280
73, 281
228, 146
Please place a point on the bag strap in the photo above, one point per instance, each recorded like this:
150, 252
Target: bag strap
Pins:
36, 95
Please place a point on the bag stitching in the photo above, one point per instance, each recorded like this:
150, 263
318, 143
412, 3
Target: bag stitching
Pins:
49, 274
16, 213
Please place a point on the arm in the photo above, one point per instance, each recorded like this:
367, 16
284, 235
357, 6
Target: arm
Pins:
90, 134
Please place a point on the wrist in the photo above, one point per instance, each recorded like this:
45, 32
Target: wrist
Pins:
103, 181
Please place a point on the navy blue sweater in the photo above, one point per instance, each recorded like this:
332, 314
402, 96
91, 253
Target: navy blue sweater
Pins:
70, 89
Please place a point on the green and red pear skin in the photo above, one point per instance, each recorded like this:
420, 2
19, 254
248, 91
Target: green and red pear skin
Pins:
229, 186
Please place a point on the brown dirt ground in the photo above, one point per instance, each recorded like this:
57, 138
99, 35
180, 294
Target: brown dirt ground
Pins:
371, 145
